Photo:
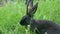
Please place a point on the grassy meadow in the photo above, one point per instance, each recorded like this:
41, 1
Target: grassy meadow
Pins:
11, 14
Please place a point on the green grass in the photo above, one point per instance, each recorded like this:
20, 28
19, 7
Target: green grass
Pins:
11, 14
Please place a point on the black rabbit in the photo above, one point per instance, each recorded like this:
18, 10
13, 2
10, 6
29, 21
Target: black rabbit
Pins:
39, 26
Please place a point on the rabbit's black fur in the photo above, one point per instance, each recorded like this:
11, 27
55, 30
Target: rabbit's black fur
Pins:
40, 26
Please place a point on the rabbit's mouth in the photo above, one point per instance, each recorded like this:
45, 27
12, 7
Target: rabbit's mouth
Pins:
26, 22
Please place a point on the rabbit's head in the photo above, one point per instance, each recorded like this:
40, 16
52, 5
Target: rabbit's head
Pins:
25, 20
29, 13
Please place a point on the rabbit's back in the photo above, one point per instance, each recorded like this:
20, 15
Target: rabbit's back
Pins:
44, 24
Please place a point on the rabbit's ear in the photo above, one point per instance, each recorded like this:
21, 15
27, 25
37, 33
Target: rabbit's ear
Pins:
32, 10
29, 6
